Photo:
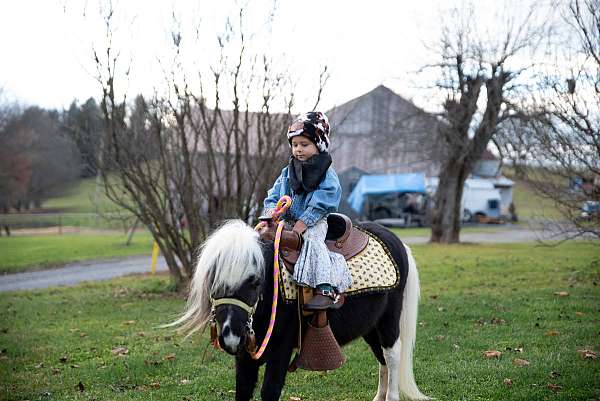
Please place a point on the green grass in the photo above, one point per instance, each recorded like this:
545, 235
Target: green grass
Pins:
19, 253
81, 198
478, 297
426, 231
531, 206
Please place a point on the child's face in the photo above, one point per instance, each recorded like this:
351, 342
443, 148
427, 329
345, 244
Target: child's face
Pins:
303, 148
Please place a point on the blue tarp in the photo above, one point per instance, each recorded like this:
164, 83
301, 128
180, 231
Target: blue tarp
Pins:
384, 184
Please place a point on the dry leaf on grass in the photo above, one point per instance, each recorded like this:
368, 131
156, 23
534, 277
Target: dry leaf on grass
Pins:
579, 313
554, 387
587, 354
155, 385
561, 293
184, 381
552, 333
129, 322
169, 357
439, 338
295, 399
120, 351
508, 382
492, 354
520, 362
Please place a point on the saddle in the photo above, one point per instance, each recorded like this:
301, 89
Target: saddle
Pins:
342, 237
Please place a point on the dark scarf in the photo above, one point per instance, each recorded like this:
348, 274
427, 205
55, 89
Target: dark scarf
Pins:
305, 176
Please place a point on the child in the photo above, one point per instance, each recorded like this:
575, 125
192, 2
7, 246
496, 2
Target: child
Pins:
315, 191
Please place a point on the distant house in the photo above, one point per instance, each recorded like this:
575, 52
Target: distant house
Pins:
381, 132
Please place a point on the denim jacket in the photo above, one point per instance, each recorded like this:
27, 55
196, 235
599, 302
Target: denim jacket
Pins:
309, 207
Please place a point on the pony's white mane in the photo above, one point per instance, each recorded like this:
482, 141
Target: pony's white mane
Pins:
229, 256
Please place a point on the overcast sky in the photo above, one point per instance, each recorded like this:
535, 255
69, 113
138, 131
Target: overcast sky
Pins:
46, 46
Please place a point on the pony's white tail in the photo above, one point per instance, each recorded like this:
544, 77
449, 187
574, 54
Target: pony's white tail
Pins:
408, 331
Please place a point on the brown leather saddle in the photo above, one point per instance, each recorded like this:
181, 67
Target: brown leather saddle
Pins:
342, 238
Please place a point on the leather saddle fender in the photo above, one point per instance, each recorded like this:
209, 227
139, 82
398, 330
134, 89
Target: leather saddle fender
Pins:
341, 238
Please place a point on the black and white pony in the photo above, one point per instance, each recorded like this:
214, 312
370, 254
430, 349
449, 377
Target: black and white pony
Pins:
235, 263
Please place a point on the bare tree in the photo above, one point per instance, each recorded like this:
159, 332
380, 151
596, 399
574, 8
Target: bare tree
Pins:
479, 78
184, 162
564, 128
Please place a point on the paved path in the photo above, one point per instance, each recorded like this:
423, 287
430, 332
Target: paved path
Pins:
77, 272
104, 270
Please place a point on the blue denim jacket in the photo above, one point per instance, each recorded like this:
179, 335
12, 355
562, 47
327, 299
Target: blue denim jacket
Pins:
309, 207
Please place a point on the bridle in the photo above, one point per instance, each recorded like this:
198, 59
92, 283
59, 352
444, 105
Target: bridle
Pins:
250, 335
282, 205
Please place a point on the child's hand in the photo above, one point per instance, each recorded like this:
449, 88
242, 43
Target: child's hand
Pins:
299, 227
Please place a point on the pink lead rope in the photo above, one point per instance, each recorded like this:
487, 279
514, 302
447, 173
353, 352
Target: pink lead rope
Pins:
284, 203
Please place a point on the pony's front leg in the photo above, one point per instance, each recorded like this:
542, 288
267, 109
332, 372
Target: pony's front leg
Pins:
275, 372
246, 375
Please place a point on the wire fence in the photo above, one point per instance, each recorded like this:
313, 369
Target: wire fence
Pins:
63, 223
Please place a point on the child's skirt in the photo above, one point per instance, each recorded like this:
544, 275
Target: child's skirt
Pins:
317, 265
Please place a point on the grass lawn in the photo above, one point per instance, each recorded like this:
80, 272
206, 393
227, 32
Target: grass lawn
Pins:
426, 231
81, 198
19, 253
63, 344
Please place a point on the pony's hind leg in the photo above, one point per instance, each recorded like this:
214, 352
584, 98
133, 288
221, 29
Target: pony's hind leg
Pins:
392, 362
373, 340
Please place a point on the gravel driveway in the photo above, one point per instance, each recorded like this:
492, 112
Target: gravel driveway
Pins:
107, 269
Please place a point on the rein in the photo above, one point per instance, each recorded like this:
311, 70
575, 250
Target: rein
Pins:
282, 205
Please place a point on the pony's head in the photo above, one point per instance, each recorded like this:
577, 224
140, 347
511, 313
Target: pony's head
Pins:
226, 285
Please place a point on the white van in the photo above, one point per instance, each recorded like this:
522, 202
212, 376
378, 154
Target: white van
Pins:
480, 198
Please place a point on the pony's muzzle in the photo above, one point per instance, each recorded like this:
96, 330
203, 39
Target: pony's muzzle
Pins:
231, 342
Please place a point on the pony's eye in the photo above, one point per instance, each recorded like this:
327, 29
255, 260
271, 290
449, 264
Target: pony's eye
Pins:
254, 280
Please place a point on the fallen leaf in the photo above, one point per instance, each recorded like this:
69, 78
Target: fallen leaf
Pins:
74, 330
587, 354
508, 382
579, 313
184, 381
440, 309
552, 333
80, 387
155, 385
561, 293
39, 365
520, 362
129, 322
295, 399
169, 357
554, 387
141, 334
120, 351
492, 354
63, 359
55, 371
439, 338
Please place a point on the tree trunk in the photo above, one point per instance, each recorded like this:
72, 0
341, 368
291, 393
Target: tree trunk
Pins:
445, 223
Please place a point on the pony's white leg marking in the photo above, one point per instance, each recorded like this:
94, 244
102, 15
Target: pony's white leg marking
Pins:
392, 360
231, 341
383, 383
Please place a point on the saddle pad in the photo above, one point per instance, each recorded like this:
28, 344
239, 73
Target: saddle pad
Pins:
372, 270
